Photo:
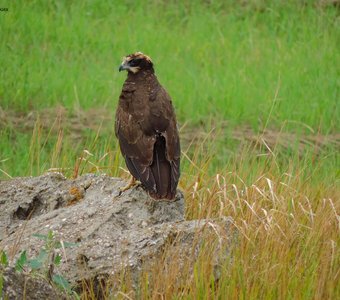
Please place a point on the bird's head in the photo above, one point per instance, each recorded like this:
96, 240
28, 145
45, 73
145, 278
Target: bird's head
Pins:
135, 62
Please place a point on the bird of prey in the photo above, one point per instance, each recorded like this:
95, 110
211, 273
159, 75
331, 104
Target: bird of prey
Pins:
147, 130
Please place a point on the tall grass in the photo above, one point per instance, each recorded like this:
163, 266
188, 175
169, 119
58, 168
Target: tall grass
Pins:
285, 212
218, 59
285, 236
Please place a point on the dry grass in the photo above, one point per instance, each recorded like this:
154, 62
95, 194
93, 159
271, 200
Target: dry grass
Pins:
287, 225
286, 216
285, 213
287, 248
55, 120
287, 245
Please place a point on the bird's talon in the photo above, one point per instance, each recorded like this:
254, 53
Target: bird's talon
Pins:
131, 184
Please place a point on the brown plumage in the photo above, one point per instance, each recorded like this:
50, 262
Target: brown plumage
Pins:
147, 130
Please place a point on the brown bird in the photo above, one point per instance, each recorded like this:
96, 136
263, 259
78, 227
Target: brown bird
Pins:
147, 130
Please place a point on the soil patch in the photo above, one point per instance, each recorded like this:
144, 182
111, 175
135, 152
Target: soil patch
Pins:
99, 119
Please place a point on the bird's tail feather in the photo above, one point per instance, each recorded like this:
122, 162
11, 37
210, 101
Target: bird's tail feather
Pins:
159, 179
161, 170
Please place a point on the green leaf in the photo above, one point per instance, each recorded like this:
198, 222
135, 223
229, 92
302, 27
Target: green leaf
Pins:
57, 260
42, 256
61, 282
34, 264
57, 245
69, 245
21, 261
1, 285
50, 236
4, 259
40, 236
38, 262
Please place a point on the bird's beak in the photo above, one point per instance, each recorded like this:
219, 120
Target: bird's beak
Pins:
123, 67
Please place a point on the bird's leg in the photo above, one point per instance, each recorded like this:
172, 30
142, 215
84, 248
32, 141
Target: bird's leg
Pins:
130, 184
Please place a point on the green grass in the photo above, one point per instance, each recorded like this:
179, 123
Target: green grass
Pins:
263, 64
219, 60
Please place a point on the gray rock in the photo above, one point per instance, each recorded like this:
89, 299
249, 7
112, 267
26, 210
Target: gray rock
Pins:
21, 286
113, 231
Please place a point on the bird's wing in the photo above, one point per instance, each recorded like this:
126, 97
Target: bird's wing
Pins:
163, 118
150, 143
136, 148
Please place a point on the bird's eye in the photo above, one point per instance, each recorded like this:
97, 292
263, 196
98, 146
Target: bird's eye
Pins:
134, 62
